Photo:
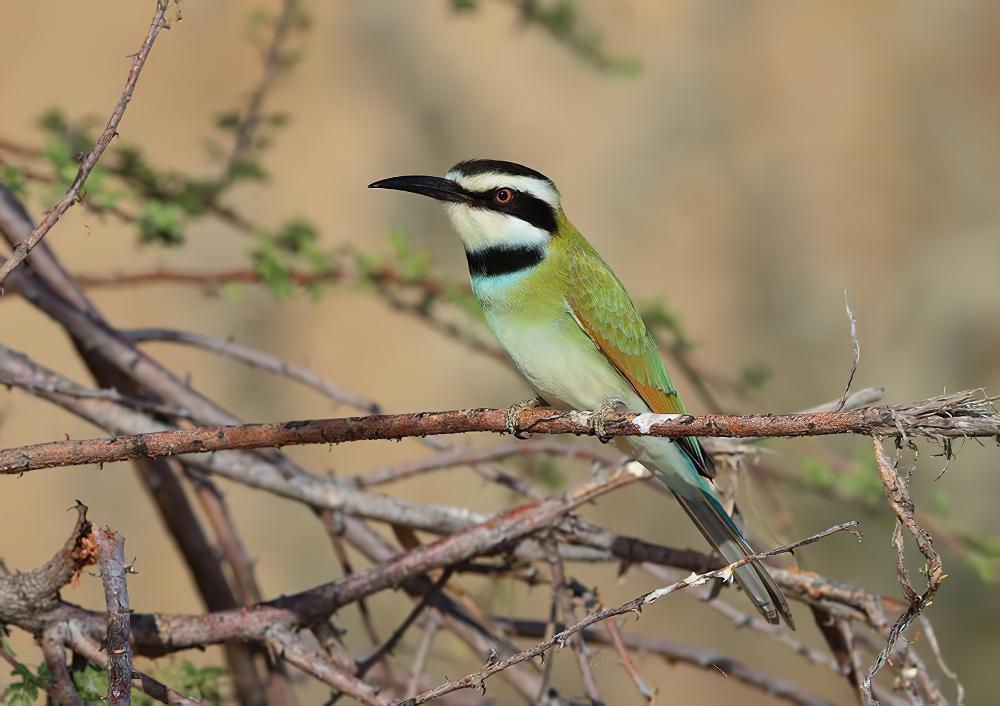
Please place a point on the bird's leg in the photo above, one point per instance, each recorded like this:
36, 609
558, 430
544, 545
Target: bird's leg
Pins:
610, 410
511, 418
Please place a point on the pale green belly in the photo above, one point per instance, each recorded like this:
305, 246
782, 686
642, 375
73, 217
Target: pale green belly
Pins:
568, 371
562, 364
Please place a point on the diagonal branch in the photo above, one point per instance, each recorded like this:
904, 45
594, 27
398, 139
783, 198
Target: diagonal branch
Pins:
90, 160
477, 680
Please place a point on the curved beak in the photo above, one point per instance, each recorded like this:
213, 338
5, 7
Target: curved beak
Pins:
435, 187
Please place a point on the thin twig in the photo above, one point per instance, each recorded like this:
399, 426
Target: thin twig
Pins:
673, 653
477, 680
389, 645
563, 597
90, 160
251, 117
857, 352
615, 635
901, 503
431, 628
255, 359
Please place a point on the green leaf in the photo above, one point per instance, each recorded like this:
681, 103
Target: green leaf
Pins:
229, 120
755, 375
272, 267
58, 152
656, 315
546, 472
202, 681
92, 685
818, 474
53, 120
232, 292
160, 224
247, 169
14, 180
414, 263
982, 565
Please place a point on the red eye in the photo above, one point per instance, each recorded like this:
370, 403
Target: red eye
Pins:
503, 196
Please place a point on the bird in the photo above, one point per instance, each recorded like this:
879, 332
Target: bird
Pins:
571, 329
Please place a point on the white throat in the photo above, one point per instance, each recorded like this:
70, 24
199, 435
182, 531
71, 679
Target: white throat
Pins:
480, 228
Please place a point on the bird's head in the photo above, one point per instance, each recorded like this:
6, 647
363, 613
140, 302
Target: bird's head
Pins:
493, 205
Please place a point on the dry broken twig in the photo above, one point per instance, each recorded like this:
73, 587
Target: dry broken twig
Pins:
118, 643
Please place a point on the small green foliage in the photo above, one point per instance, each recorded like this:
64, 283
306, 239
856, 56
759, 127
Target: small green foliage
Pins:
818, 474
276, 255
413, 263
160, 224
53, 121
941, 500
656, 315
272, 267
981, 564
755, 375
278, 119
4, 643
59, 154
860, 483
136, 170
98, 189
229, 120
201, 682
548, 473
465, 300
30, 686
13, 179
559, 18
232, 292
92, 685
247, 169
74, 135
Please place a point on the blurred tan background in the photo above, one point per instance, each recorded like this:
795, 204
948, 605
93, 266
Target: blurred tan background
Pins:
767, 157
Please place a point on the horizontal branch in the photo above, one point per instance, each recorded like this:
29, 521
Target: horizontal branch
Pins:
964, 414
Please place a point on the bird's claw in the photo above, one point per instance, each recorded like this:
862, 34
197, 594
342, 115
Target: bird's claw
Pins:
609, 411
510, 419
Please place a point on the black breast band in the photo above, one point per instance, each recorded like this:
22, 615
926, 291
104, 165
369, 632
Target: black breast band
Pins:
499, 260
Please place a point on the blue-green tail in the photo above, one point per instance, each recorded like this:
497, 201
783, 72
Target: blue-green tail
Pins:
721, 531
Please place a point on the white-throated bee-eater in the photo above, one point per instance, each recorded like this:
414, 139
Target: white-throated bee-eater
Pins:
572, 330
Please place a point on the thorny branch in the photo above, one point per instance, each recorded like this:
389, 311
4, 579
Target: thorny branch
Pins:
118, 643
477, 680
90, 160
503, 546
961, 415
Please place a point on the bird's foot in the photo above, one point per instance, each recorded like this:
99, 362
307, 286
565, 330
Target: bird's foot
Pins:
612, 410
510, 419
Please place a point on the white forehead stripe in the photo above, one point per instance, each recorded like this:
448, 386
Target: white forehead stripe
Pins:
487, 181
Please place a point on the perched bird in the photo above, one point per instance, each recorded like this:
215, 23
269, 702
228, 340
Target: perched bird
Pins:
570, 327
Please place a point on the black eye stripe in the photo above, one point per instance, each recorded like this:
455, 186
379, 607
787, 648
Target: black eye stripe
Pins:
523, 205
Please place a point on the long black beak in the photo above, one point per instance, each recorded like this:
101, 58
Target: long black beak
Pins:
435, 187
